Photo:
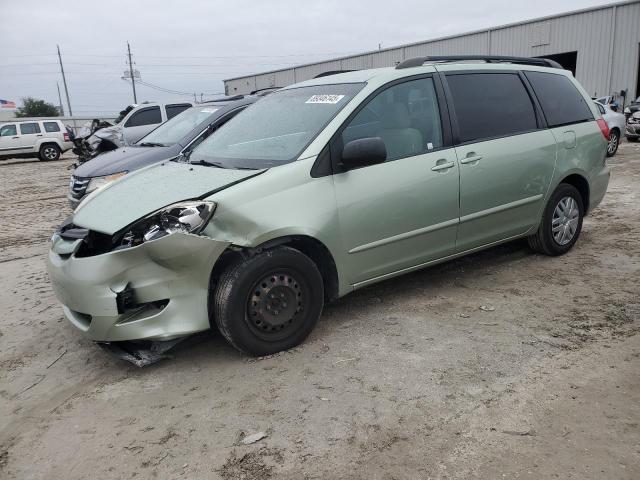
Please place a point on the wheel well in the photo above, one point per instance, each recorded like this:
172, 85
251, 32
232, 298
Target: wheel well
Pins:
581, 185
44, 144
312, 248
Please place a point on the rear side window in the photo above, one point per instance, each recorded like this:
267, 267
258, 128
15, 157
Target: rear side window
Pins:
8, 131
173, 110
29, 128
491, 105
51, 126
560, 100
148, 116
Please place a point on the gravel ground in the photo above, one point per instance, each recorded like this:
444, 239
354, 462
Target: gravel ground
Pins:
405, 379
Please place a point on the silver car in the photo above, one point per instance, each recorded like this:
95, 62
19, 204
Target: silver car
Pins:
616, 123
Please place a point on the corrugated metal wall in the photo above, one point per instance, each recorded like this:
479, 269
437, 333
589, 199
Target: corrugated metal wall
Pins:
607, 40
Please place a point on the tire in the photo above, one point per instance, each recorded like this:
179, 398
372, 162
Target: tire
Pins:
554, 243
269, 302
614, 141
49, 152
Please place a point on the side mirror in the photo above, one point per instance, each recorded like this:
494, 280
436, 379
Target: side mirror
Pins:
363, 152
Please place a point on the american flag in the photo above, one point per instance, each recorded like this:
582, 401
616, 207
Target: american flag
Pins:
7, 104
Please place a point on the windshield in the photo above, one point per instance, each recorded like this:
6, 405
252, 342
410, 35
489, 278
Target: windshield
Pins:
174, 130
276, 129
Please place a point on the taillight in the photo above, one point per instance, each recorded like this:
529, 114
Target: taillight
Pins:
66, 136
604, 128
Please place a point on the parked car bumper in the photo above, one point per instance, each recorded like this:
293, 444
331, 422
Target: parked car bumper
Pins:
599, 185
66, 146
155, 291
632, 130
74, 202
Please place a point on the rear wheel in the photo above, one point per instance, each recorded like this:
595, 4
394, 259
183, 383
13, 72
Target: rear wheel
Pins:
49, 152
561, 222
614, 141
269, 302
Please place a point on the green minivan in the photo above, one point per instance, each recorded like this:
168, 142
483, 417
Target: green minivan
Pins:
329, 185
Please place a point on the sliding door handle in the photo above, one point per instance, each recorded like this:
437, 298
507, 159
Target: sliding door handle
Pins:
471, 158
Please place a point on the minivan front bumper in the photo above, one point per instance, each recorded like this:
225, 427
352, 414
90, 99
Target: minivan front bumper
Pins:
155, 291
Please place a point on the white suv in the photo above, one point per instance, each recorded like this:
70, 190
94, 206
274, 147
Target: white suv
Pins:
45, 139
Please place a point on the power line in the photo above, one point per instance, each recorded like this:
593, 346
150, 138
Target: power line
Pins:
187, 56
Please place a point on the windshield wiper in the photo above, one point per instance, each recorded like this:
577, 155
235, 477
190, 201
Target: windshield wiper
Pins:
209, 164
152, 144
220, 165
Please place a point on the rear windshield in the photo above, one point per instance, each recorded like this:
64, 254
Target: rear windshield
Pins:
560, 100
277, 128
174, 130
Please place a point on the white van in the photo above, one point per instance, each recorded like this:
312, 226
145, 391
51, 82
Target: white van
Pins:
45, 139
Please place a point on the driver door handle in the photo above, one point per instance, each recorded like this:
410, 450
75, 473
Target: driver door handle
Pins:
442, 164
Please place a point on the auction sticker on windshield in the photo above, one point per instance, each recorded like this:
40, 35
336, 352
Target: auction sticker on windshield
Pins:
325, 99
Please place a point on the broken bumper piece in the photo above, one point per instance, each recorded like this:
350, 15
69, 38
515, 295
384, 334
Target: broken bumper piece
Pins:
155, 291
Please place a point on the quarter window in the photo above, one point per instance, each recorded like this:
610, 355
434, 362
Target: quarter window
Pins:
560, 100
405, 116
29, 128
148, 116
51, 126
489, 105
8, 131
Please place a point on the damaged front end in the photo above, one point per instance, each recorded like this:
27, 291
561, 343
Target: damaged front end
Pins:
156, 290
103, 140
98, 137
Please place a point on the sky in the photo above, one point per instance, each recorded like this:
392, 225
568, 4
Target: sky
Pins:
190, 46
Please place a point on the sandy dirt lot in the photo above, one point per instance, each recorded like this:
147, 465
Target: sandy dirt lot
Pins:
402, 380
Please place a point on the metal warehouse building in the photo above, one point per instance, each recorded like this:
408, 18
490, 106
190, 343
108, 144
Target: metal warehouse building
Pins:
601, 45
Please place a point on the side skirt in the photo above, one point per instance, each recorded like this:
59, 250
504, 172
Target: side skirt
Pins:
435, 262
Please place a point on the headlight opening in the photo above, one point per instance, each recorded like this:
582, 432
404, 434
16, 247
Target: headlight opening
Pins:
185, 217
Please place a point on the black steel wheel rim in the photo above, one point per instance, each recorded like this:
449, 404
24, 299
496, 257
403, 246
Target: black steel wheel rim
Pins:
277, 305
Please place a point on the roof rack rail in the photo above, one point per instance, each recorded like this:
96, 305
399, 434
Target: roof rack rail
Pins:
225, 99
419, 61
331, 72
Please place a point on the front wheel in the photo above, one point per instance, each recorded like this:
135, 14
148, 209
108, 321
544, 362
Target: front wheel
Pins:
269, 302
614, 141
561, 222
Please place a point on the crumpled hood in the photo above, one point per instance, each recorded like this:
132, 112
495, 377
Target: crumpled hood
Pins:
114, 134
125, 159
141, 193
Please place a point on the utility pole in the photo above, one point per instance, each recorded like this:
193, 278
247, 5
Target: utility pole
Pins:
133, 79
64, 81
60, 100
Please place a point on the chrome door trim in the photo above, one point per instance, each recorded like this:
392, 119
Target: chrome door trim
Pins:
404, 236
500, 208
